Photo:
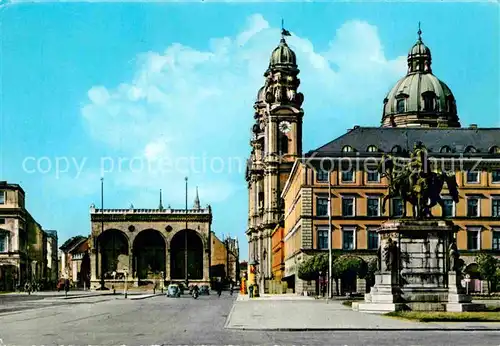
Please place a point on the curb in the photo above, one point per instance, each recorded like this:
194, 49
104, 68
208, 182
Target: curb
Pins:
83, 296
228, 319
472, 329
147, 296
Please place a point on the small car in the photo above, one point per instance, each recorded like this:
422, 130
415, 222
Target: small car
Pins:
204, 290
173, 291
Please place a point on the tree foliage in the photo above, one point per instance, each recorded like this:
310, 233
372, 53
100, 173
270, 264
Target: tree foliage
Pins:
346, 264
310, 268
487, 266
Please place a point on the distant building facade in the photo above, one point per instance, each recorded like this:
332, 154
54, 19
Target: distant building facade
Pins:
75, 261
23, 242
225, 259
52, 256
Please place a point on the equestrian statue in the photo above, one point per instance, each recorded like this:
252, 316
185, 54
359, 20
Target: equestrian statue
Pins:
415, 182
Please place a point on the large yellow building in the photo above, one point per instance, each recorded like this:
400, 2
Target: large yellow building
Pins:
419, 107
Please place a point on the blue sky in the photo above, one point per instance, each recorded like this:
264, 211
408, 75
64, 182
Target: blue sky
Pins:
90, 83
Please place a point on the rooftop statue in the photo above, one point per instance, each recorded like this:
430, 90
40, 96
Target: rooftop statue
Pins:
415, 182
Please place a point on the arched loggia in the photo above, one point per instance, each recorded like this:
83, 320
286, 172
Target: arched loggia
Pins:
114, 250
149, 254
194, 252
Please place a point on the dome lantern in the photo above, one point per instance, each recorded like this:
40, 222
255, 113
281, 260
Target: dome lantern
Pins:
419, 56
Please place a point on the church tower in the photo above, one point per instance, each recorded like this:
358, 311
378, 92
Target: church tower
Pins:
275, 144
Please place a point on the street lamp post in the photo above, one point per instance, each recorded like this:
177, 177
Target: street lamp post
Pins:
186, 239
329, 282
102, 231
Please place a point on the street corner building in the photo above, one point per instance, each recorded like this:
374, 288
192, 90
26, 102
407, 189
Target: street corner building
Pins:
143, 245
27, 252
296, 200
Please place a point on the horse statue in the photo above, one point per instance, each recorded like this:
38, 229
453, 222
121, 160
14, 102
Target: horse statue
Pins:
413, 182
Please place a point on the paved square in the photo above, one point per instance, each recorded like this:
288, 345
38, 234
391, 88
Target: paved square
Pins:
113, 320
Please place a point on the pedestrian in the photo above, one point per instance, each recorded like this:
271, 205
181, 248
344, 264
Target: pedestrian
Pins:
66, 287
219, 288
250, 290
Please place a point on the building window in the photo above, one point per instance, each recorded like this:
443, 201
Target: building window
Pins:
283, 144
348, 206
495, 176
397, 207
321, 206
472, 177
470, 149
2, 197
373, 177
372, 240
445, 149
428, 102
322, 239
373, 206
348, 176
495, 207
400, 105
473, 239
347, 148
3, 242
348, 241
322, 175
372, 149
261, 199
473, 207
496, 240
449, 207
495, 150
396, 149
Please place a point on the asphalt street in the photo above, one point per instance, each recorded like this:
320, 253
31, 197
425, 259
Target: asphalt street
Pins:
113, 320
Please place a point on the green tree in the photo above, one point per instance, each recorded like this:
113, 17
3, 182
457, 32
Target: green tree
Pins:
310, 268
487, 266
346, 266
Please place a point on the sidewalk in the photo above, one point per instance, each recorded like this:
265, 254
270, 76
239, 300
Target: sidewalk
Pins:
311, 314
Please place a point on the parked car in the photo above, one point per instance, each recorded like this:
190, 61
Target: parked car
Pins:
204, 289
174, 291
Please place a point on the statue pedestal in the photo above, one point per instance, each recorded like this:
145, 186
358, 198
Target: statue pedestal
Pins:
458, 301
415, 277
384, 296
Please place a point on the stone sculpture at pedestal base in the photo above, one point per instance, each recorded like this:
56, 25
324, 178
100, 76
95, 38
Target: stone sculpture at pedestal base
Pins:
414, 269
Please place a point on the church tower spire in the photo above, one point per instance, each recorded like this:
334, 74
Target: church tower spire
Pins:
196, 200
160, 206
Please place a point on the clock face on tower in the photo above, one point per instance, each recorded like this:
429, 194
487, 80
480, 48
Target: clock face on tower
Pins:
285, 126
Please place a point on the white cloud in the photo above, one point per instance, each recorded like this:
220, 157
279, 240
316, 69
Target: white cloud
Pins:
184, 102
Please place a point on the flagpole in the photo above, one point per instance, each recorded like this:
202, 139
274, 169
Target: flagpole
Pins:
102, 229
329, 235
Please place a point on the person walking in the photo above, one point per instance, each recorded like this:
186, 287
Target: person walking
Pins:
66, 287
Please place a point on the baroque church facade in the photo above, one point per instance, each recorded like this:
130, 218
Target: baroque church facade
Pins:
294, 194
